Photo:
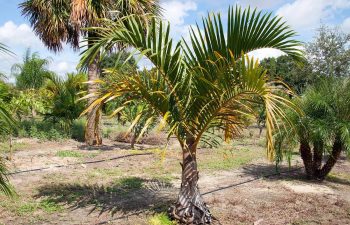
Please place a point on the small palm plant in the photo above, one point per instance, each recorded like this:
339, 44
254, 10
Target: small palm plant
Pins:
204, 84
324, 129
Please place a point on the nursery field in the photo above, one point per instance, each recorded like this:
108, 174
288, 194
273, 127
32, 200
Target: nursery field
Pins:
66, 182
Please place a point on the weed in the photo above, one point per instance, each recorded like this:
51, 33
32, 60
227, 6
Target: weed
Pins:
69, 153
161, 219
50, 206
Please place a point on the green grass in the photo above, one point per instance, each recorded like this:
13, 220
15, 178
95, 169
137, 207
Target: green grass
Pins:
160, 219
5, 147
69, 153
339, 177
226, 159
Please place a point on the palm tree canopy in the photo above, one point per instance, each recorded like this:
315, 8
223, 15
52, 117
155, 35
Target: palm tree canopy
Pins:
32, 72
58, 22
208, 82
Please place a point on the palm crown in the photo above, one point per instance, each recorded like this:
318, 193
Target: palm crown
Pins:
197, 86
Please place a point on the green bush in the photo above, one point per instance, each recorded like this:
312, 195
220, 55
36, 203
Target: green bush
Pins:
43, 130
78, 129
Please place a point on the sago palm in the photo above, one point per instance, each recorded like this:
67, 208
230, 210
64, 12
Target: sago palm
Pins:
324, 129
197, 86
59, 22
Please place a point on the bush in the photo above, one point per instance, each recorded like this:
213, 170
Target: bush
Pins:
43, 130
78, 129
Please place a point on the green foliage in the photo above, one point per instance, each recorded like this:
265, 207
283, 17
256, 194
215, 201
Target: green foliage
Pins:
78, 129
118, 61
198, 86
68, 153
161, 219
329, 53
43, 130
326, 106
295, 74
31, 74
65, 94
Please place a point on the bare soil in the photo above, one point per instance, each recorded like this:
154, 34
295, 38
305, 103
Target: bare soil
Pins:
112, 184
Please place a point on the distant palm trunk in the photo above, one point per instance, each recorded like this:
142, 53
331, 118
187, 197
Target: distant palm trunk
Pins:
93, 126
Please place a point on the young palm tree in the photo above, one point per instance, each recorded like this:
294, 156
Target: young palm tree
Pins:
200, 86
324, 131
57, 22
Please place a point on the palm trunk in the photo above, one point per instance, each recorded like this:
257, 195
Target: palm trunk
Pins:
133, 141
306, 155
317, 159
336, 150
190, 207
93, 126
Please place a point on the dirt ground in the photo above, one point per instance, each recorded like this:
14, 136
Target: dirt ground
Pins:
115, 185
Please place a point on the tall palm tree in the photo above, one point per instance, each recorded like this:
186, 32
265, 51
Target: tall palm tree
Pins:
6, 125
202, 85
57, 22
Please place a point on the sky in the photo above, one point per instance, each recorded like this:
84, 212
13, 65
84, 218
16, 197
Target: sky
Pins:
304, 16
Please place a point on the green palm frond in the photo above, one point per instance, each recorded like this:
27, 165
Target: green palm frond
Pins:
207, 83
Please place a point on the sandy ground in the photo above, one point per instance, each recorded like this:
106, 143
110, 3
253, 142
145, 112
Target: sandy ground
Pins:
86, 190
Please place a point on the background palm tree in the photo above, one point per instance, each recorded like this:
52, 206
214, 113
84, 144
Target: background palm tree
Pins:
324, 131
57, 22
202, 85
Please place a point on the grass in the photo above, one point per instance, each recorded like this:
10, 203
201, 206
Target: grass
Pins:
161, 219
339, 177
69, 153
226, 159
5, 147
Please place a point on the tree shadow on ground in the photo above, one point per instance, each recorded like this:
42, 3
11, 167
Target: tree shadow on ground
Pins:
269, 171
123, 196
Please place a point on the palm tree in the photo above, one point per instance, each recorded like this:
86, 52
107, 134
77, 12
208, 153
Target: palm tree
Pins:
324, 131
6, 125
32, 72
198, 86
65, 108
63, 21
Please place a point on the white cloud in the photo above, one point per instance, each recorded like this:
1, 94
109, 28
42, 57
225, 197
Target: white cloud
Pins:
63, 67
22, 35
176, 11
265, 53
346, 25
306, 14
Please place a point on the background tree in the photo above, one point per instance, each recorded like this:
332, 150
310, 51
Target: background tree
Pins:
295, 74
32, 72
329, 53
62, 21
198, 86
65, 94
324, 131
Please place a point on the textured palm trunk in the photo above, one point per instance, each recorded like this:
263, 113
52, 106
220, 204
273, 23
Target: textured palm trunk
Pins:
190, 207
306, 155
336, 150
93, 126
313, 159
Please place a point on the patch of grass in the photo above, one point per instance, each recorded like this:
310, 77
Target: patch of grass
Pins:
130, 183
339, 178
26, 208
5, 147
161, 219
50, 206
226, 159
69, 153
104, 173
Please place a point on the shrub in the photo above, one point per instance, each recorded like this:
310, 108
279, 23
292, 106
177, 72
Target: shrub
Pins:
78, 129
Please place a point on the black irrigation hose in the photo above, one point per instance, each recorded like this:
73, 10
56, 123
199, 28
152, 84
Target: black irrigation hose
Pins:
73, 164
209, 192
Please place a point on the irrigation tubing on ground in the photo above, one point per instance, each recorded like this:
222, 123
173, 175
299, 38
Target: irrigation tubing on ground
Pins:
74, 164
210, 192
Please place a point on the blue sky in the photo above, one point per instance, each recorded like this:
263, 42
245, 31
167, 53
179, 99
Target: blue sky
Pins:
305, 16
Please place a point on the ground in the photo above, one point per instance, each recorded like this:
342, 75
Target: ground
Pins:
112, 184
